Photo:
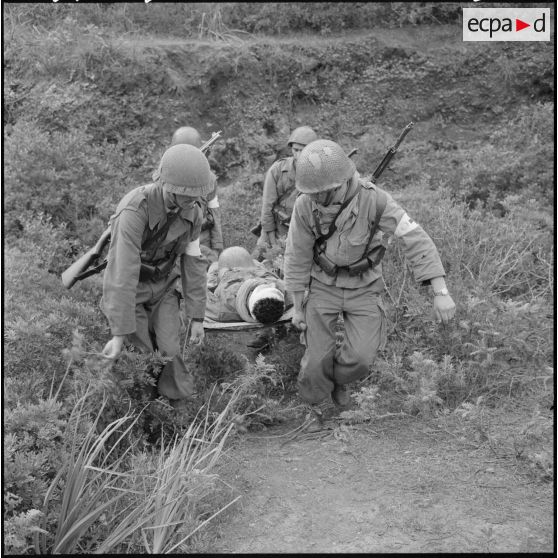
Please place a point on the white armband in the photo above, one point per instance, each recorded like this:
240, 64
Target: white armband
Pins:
193, 248
406, 225
213, 203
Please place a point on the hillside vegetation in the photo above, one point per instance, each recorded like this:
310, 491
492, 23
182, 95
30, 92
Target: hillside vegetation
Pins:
92, 94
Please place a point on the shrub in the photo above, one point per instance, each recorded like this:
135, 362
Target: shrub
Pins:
60, 175
33, 451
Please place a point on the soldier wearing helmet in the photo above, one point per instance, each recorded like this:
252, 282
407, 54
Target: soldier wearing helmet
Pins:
243, 289
211, 237
154, 226
339, 229
279, 191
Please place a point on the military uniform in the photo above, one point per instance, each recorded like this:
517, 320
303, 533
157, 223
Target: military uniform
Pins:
223, 292
279, 195
357, 297
147, 308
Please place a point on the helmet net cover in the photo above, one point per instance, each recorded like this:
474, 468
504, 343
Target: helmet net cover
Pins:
322, 165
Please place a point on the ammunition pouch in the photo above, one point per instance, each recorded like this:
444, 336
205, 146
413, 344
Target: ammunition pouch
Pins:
206, 225
156, 272
325, 264
357, 268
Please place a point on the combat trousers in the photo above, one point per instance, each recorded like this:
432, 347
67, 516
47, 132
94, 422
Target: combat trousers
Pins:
157, 318
324, 365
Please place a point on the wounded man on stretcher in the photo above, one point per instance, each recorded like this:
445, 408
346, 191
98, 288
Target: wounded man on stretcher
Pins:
243, 294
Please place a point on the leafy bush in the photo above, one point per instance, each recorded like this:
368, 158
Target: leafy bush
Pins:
33, 451
48, 173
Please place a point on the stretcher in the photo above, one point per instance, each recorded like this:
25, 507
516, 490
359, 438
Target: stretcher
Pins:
212, 325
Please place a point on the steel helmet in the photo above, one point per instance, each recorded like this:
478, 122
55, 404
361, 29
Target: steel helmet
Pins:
184, 170
322, 165
303, 135
235, 256
187, 135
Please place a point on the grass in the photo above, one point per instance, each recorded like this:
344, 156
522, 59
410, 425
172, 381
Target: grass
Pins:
106, 499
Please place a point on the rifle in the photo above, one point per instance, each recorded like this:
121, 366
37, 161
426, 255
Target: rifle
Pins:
214, 137
364, 263
79, 269
390, 153
257, 229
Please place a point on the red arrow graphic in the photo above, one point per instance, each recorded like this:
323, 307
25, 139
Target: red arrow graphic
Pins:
519, 25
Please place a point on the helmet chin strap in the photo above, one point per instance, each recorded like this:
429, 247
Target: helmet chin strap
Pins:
348, 187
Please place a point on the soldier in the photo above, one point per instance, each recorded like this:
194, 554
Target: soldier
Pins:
279, 195
279, 192
243, 289
211, 237
153, 226
330, 255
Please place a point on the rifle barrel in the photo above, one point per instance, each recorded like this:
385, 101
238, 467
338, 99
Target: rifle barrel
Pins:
391, 152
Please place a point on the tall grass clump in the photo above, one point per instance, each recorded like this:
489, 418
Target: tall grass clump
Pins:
111, 499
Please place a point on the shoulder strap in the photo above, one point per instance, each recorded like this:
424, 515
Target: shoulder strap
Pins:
333, 225
381, 201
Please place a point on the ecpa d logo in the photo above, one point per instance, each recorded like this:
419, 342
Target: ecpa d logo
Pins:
506, 24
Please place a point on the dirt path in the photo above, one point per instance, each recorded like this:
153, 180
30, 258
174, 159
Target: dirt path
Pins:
402, 486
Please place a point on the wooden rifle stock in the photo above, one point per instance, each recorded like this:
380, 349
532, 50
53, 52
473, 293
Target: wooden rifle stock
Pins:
77, 270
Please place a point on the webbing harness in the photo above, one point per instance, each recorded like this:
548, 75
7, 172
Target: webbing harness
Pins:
365, 263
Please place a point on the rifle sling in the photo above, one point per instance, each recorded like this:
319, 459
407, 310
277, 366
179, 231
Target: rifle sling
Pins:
333, 225
381, 200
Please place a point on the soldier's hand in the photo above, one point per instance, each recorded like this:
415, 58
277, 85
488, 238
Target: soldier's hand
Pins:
298, 320
444, 308
197, 332
113, 348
